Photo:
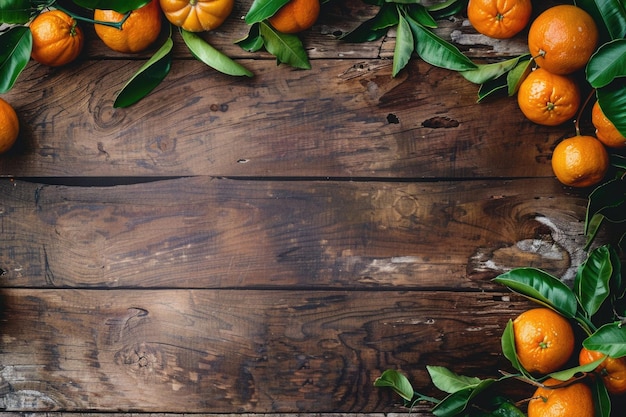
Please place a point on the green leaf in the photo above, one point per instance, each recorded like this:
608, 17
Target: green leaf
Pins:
567, 374
609, 339
15, 11
436, 51
507, 409
518, 74
374, 28
458, 401
488, 72
396, 381
607, 63
601, 398
287, 48
121, 6
542, 288
15, 47
607, 200
215, 59
253, 42
491, 88
449, 382
508, 346
592, 282
147, 78
610, 15
263, 9
420, 14
612, 100
447, 8
404, 46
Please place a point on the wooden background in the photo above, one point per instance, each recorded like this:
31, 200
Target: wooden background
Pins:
268, 245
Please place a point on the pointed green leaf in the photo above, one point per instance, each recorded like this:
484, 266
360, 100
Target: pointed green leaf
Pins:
447, 8
609, 339
121, 6
488, 72
601, 398
420, 14
404, 46
15, 47
508, 346
610, 15
542, 288
458, 401
253, 42
491, 88
567, 374
436, 51
374, 28
517, 75
396, 381
591, 284
215, 59
263, 9
287, 48
448, 381
15, 11
147, 78
607, 63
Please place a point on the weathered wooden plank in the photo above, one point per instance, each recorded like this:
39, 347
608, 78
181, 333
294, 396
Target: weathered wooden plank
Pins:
222, 351
218, 233
343, 118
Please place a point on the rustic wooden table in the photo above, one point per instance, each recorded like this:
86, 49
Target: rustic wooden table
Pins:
272, 244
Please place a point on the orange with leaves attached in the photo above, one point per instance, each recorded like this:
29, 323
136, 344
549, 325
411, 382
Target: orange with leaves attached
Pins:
611, 370
500, 19
138, 32
57, 38
606, 132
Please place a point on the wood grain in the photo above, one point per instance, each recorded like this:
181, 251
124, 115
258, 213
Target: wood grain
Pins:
218, 233
191, 351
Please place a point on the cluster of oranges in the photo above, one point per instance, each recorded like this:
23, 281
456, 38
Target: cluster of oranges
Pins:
58, 39
561, 40
544, 343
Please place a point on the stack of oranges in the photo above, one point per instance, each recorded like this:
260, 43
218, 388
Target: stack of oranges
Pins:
544, 342
561, 40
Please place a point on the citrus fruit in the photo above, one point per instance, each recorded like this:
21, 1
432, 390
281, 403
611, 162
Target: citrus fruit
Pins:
138, 32
611, 370
548, 99
499, 19
9, 126
296, 16
580, 161
544, 340
606, 132
573, 400
197, 15
57, 38
562, 38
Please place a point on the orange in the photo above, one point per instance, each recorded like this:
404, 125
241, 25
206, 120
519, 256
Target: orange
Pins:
296, 16
197, 15
138, 32
544, 340
562, 39
573, 400
548, 99
9, 126
57, 38
499, 19
611, 370
580, 161
606, 132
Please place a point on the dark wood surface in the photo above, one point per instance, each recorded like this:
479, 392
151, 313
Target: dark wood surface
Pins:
267, 245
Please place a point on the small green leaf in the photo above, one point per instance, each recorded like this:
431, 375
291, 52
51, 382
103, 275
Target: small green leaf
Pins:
449, 382
542, 288
147, 78
507, 409
15, 11
567, 374
396, 381
374, 28
215, 59
592, 282
287, 48
491, 88
488, 72
517, 75
612, 100
15, 48
263, 9
121, 6
448, 8
609, 339
404, 46
607, 63
420, 14
458, 401
436, 51
508, 346
253, 42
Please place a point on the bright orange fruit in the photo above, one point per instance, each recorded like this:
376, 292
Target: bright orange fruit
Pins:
499, 19
9, 126
611, 370
57, 38
296, 16
197, 15
138, 32
573, 400
606, 132
580, 161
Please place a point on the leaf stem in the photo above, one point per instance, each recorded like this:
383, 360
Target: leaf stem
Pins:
116, 25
